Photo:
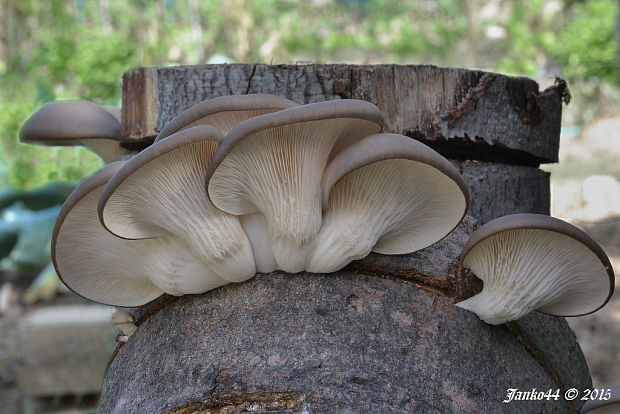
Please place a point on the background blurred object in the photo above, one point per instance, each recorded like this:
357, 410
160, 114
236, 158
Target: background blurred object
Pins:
75, 49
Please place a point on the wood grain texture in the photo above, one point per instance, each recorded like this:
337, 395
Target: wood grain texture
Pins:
481, 115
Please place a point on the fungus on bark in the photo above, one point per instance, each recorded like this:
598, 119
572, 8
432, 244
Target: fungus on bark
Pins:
273, 164
535, 262
107, 269
225, 112
124, 321
74, 123
389, 194
161, 191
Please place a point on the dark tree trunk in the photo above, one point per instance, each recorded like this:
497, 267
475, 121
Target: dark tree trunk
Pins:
383, 334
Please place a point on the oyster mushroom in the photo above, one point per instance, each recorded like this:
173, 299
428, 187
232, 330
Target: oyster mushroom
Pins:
389, 194
225, 112
107, 269
272, 164
73, 123
535, 262
161, 191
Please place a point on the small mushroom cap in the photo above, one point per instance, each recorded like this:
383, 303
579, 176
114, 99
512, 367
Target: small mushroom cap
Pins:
161, 191
64, 122
273, 164
601, 406
532, 261
387, 193
225, 112
122, 316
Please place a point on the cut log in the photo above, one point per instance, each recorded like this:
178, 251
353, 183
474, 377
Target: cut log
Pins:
463, 113
496, 190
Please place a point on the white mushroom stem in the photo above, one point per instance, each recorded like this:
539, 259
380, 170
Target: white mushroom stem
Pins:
108, 150
528, 269
255, 227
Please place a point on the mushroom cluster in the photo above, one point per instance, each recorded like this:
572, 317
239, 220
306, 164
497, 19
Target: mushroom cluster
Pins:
256, 183
253, 183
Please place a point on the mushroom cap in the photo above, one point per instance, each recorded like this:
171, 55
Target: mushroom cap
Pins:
225, 112
74, 123
599, 406
387, 193
101, 267
65, 122
122, 316
273, 164
161, 191
532, 261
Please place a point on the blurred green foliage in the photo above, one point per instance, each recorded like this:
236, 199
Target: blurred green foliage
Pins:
67, 49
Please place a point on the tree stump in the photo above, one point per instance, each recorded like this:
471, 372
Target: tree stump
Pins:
383, 334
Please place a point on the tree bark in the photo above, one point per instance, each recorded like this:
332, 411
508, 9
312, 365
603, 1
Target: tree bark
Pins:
365, 339
383, 334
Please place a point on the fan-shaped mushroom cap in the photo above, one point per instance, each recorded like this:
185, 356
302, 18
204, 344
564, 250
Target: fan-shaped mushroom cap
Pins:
71, 123
273, 164
161, 190
225, 112
600, 405
387, 193
104, 268
535, 262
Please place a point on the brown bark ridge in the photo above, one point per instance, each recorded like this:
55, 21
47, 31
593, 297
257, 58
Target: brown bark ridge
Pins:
465, 114
344, 342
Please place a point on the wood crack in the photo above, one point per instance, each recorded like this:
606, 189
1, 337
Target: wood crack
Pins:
264, 402
247, 91
459, 286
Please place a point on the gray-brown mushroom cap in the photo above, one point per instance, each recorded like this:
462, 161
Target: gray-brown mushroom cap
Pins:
225, 112
104, 268
600, 405
75, 123
536, 262
161, 191
273, 164
386, 193
63, 122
